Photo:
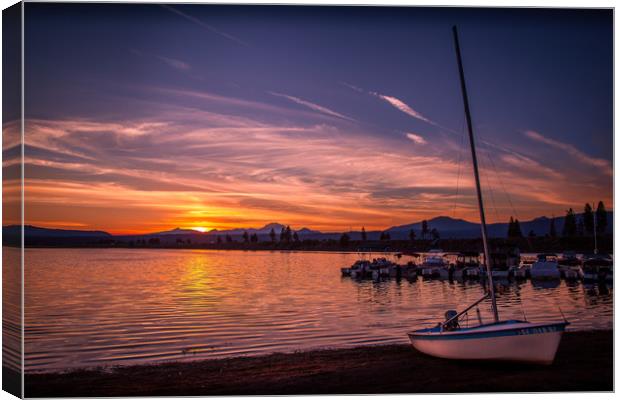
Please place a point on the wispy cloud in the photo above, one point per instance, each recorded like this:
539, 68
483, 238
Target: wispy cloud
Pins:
206, 26
312, 106
403, 107
189, 158
174, 63
601, 163
416, 138
394, 102
353, 87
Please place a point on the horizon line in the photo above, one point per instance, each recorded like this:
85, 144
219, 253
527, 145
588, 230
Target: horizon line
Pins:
199, 229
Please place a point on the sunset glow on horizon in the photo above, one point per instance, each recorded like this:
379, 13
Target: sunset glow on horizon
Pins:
247, 125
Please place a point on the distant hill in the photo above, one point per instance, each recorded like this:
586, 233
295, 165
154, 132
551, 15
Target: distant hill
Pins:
34, 231
264, 231
458, 228
449, 228
176, 231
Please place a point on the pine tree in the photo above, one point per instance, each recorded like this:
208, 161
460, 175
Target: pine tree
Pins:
517, 229
424, 229
552, 232
511, 227
295, 237
570, 224
272, 235
363, 234
344, 240
246, 237
588, 219
254, 238
601, 218
412, 235
580, 227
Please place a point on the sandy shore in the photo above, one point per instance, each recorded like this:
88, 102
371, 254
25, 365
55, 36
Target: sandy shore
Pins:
584, 362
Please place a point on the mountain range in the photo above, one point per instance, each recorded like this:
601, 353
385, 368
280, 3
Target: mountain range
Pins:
446, 226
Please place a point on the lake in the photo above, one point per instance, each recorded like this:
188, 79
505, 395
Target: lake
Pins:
103, 307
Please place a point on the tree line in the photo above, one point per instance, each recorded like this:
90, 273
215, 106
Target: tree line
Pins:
584, 225
287, 235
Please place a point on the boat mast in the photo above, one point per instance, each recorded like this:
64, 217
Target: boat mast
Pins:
594, 225
483, 225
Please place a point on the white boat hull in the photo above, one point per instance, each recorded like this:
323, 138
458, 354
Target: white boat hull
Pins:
472, 273
532, 343
545, 270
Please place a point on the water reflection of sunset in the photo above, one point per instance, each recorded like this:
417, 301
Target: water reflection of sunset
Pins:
133, 306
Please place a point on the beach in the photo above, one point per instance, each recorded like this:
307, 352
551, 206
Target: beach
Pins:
584, 362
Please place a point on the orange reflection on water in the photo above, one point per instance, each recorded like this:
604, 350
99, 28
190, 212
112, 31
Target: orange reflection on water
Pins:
88, 307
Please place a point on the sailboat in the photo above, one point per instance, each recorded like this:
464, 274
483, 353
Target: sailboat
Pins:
597, 267
509, 340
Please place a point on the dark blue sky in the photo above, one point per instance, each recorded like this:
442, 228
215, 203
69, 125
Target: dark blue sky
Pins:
368, 80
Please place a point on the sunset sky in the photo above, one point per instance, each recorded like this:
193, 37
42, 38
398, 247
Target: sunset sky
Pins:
146, 117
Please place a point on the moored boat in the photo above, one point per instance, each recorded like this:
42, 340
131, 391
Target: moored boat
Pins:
432, 265
408, 271
380, 268
545, 267
597, 267
522, 272
359, 269
465, 266
503, 264
569, 259
570, 266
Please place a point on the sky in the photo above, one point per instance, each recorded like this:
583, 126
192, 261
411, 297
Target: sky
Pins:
148, 117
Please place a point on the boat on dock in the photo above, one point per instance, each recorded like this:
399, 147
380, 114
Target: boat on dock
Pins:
432, 265
358, 270
545, 267
503, 264
465, 266
408, 271
510, 340
381, 267
522, 272
598, 267
570, 266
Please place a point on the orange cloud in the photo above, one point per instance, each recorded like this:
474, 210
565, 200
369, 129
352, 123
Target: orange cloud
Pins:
198, 166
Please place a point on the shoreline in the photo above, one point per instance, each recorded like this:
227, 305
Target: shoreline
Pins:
584, 362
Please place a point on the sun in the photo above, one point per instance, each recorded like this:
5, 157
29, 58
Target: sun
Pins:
200, 229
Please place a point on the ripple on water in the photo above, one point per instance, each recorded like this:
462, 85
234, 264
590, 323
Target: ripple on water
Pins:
89, 308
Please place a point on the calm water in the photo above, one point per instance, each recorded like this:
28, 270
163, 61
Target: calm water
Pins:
87, 308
